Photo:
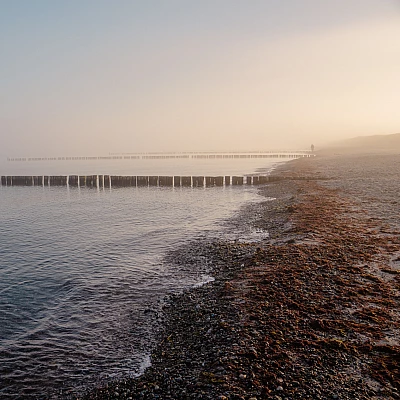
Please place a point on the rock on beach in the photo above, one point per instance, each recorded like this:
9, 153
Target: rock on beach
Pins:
311, 312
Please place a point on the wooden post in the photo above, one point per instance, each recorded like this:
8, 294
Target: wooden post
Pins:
58, 180
142, 181
186, 181
4, 181
82, 180
129, 181
107, 181
73, 180
94, 180
89, 180
248, 180
256, 180
165, 180
198, 181
132, 180
153, 180
227, 180
38, 180
177, 181
219, 180
237, 180
46, 181
115, 181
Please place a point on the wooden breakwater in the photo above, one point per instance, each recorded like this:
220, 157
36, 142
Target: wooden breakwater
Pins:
173, 155
113, 181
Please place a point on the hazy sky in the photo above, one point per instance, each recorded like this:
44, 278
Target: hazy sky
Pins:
89, 77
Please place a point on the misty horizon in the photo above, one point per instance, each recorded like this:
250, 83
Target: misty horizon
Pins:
155, 77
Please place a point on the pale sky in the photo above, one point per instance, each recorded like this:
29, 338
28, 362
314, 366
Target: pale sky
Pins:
89, 77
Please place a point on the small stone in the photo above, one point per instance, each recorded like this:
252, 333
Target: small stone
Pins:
242, 376
280, 388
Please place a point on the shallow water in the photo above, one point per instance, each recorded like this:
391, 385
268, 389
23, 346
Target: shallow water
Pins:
82, 272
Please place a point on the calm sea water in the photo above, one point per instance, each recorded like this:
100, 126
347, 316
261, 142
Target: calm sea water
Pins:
82, 270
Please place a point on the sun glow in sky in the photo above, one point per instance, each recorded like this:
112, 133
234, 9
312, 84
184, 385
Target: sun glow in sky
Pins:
96, 76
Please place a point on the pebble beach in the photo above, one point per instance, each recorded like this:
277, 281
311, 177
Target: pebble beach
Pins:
311, 312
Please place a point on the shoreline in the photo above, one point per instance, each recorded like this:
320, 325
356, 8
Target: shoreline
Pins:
311, 312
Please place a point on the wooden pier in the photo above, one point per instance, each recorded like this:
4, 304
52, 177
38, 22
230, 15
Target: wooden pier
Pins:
114, 181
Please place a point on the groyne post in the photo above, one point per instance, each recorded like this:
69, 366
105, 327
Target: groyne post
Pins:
214, 180
142, 181
89, 180
237, 180
133, 181
58, 180
114, 181
153, 180
198, 181
177, 181
119, 181
73, 180
38, 180
186, 181
165, 180
219, 181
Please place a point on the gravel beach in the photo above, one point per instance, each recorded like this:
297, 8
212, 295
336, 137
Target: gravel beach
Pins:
311, 312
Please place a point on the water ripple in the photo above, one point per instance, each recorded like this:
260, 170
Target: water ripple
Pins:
77, 271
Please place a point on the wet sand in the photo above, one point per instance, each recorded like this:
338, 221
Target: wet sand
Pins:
312, 312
